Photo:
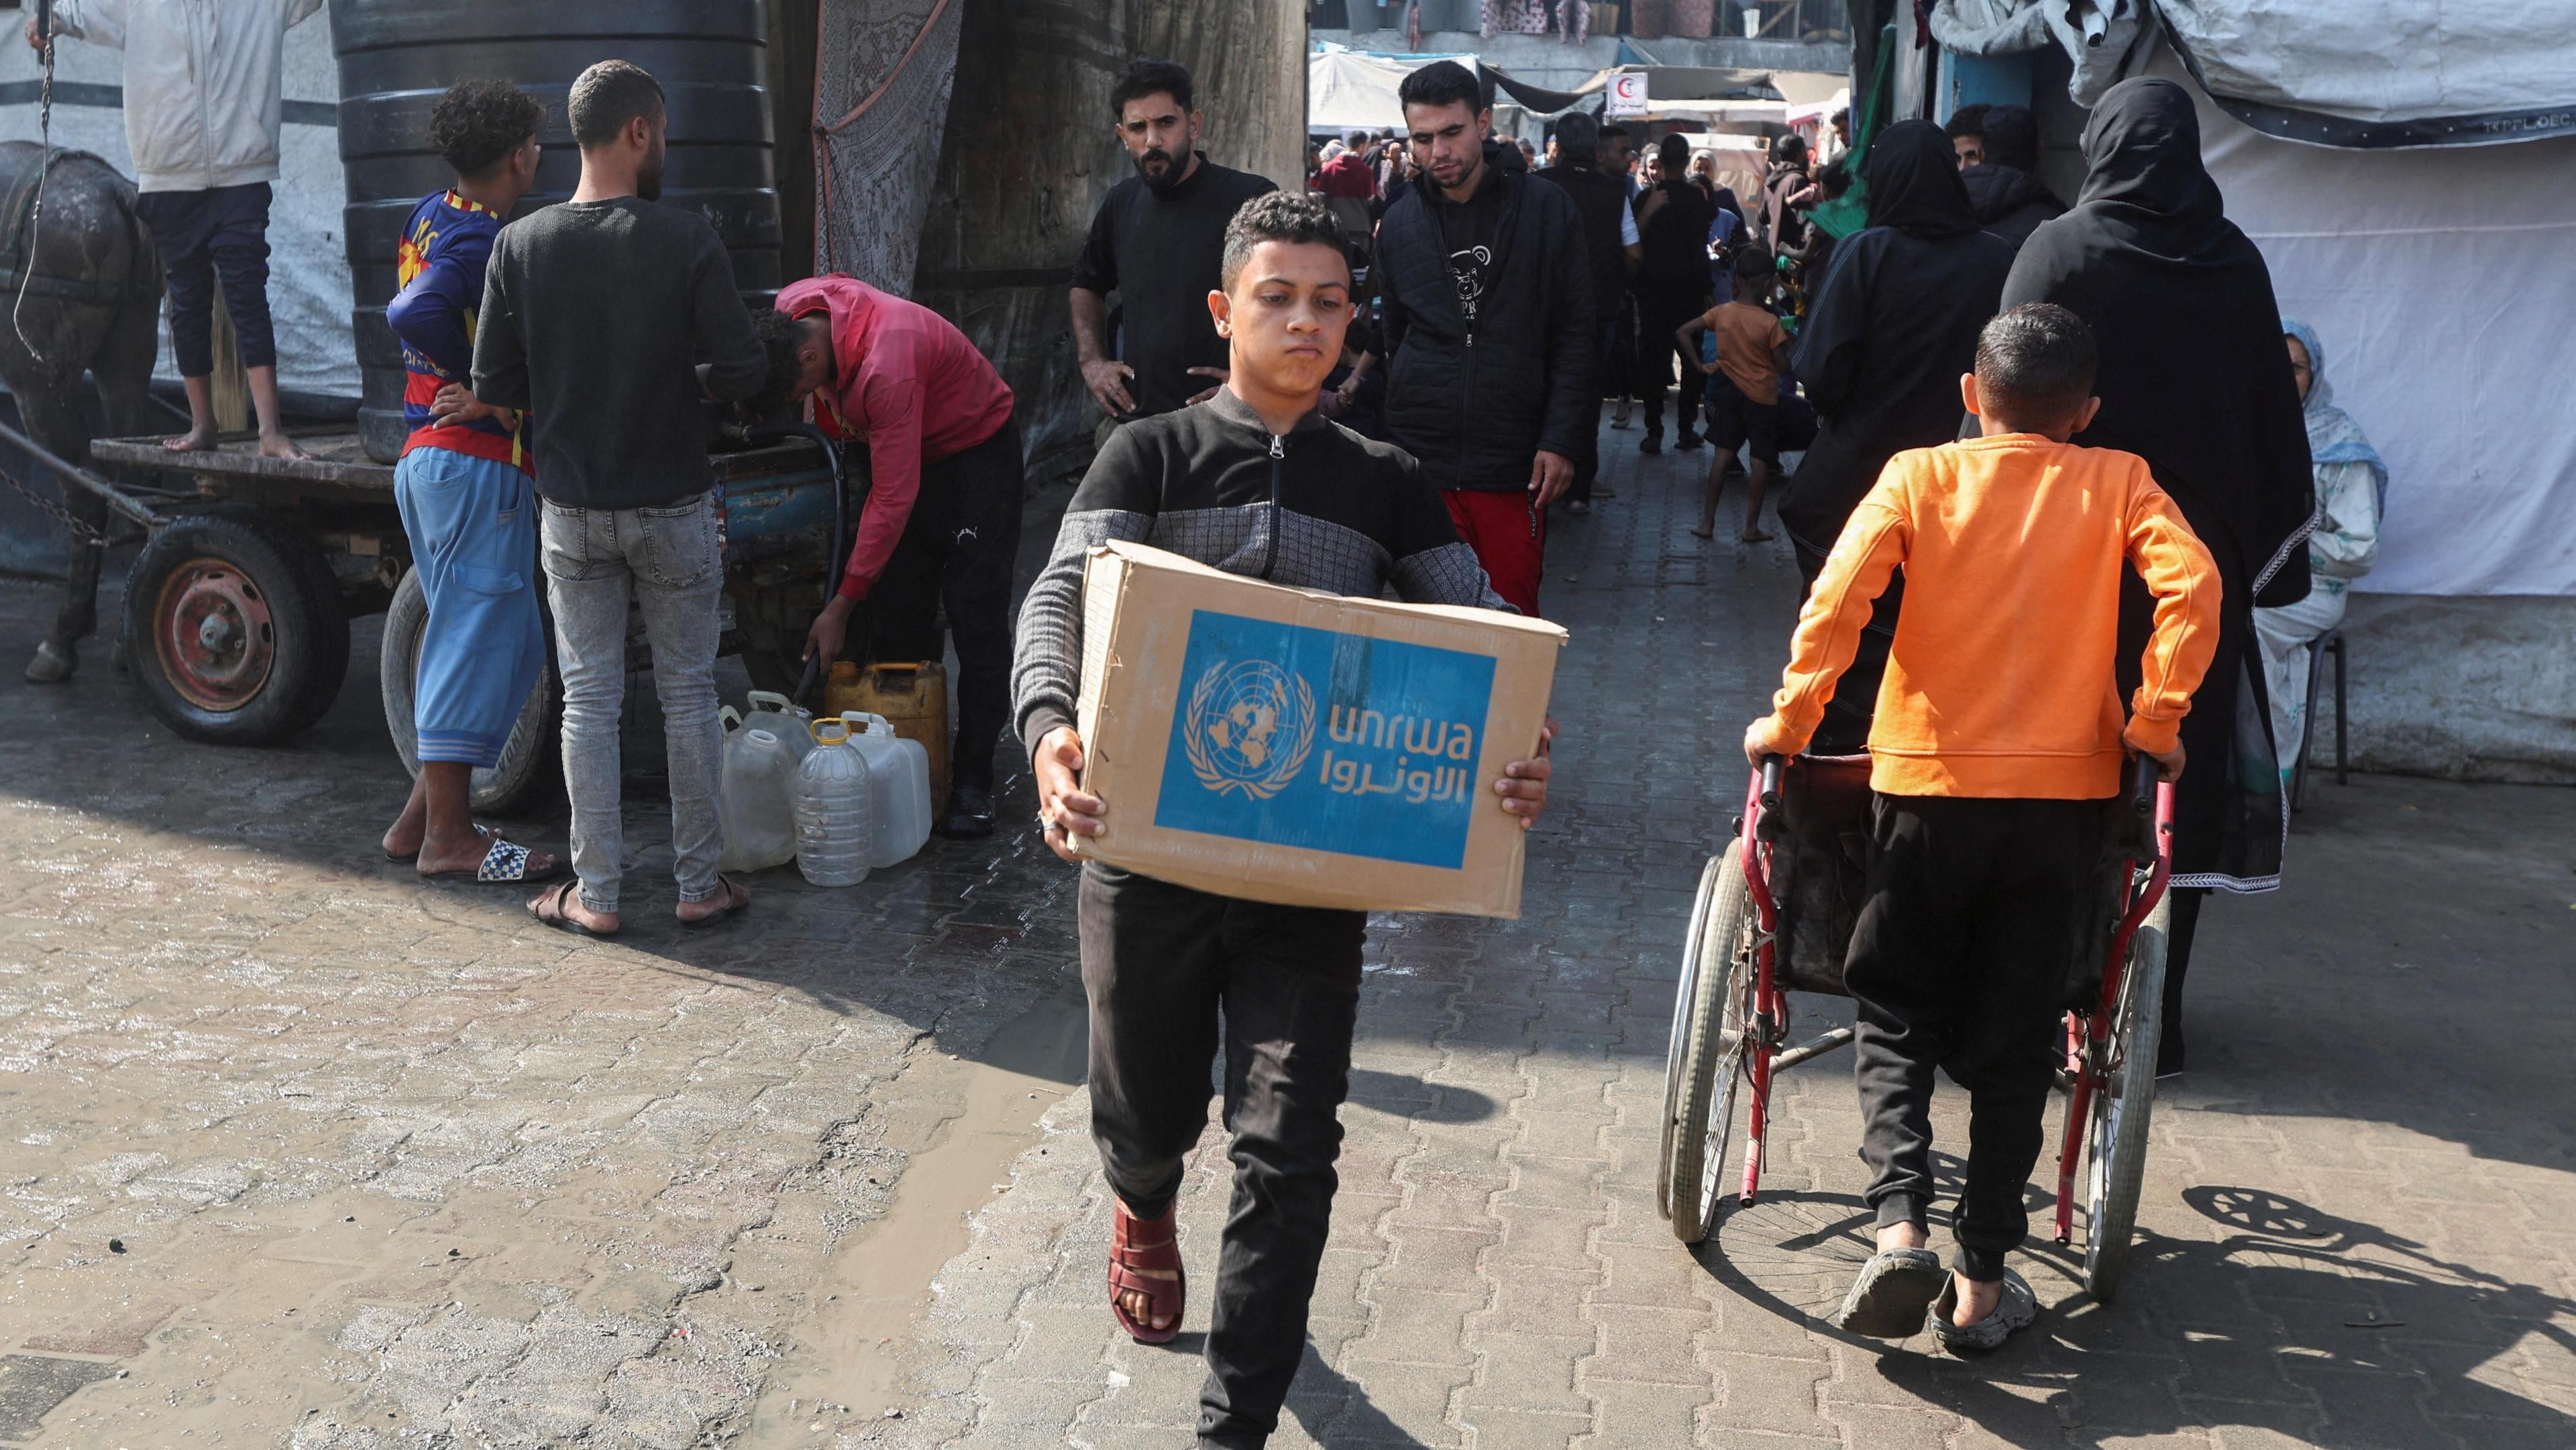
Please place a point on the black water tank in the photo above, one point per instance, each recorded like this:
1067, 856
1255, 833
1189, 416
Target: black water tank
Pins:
396, 56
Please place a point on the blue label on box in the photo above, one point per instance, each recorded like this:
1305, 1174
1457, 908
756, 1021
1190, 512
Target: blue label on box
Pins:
1337, 742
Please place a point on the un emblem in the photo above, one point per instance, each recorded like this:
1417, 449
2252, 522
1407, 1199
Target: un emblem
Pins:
1251, 725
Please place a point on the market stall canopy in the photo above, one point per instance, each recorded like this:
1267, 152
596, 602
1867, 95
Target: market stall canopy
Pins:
2372, 74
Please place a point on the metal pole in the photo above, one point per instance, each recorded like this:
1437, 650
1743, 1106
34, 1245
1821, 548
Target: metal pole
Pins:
116, 498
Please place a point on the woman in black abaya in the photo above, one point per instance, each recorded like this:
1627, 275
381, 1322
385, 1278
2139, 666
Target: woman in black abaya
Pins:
1887, 335
2194, 379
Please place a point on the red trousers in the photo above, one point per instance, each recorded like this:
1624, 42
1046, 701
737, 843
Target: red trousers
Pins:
1510, 540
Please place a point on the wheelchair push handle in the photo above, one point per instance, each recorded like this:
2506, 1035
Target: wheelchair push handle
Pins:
2144, 776
1769, 793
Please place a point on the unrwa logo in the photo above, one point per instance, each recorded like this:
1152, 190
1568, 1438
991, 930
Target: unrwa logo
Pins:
1251, 725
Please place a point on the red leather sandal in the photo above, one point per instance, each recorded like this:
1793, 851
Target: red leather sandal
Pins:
1127, 1257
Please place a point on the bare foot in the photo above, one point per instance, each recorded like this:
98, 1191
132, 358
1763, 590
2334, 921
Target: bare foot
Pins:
1975, 1300
729, 897
1140, 1305
278, 445
1703, 533
1752, 536
195, 441
1903, 1236
441, 857
561, 903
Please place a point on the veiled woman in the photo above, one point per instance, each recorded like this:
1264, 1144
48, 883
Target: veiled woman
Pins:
2194, 379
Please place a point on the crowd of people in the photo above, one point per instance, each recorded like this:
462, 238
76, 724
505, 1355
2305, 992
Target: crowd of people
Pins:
2109, 481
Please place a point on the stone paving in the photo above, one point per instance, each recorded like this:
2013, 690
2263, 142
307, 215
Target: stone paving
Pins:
2354, 1234
300, 1153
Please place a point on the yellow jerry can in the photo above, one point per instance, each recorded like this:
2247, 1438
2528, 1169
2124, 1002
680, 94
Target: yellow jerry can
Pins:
913, 698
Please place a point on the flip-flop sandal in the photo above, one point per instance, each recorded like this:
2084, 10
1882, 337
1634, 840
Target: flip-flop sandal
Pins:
2016, 1310
506, 864
1165, 1296
408, 857
737, 899
551, 909
1887, 1301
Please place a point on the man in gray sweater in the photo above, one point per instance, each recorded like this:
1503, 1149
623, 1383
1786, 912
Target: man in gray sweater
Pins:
597, 315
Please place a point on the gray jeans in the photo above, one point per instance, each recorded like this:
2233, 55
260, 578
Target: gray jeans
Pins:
669, 561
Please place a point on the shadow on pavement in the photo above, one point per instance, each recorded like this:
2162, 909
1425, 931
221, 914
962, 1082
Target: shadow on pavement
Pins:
2322, 1329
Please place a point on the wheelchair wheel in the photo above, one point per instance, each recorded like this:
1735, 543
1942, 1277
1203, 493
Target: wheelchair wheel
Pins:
2115, 1141
1707, 1060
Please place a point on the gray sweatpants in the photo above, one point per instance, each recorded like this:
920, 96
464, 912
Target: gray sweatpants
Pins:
668, 561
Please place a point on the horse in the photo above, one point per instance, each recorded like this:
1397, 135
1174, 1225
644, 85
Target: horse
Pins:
80, 300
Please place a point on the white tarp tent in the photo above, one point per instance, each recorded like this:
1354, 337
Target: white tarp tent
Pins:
2441, 284
1348, 91
308, 266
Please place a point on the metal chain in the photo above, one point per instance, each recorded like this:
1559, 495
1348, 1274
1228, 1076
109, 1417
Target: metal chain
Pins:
81, 530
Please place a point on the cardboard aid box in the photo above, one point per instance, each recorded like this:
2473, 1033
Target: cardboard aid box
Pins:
1308, 749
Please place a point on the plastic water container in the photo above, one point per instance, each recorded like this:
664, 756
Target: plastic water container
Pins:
899, 788
832, 800
781, 717
759, 804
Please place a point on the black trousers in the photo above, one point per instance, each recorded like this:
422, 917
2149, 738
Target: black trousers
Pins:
1959, 960
1160, 963
958, 550
203, 234
1661, 312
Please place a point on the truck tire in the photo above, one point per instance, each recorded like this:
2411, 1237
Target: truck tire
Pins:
526, 772
237, 632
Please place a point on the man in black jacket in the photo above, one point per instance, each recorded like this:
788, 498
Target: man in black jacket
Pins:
1673, 218
1610, 242
1491, 329
2008, 199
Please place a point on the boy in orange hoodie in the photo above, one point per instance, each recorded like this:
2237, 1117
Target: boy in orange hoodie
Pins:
1997, 739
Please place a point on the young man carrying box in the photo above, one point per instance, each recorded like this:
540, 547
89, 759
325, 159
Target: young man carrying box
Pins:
1997, 738
1252, 482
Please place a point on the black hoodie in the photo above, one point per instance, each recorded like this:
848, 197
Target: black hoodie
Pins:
2009, 201
1890, 330
1476, 398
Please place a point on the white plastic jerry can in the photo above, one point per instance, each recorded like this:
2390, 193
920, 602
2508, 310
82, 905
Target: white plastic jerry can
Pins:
832, 809
759, 805
899, 777
782, 717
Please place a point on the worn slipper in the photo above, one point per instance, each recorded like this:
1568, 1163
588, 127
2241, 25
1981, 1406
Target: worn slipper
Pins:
553, 909
1888, 1299
506, 864
2016, 1310
736, 899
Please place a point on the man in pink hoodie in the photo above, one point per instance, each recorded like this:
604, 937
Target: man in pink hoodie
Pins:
942, 522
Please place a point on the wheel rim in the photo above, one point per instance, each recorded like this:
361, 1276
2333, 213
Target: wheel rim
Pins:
2102, 1133
212, 635
1682, 994
1730, 1067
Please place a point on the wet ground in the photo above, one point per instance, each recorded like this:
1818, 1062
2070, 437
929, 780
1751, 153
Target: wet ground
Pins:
295, 1151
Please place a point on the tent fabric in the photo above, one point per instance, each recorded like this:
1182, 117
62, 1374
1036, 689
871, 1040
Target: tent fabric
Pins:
2101, 37
881, 86
2366, 60
308, 265
2347, 73
1346, 91
2439, 281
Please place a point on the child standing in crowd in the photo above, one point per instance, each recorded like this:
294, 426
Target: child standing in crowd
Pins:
1997, 742
1752, 353
463, 486
1227, 483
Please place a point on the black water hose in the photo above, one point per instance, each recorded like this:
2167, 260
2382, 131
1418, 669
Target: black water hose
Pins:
843, 509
